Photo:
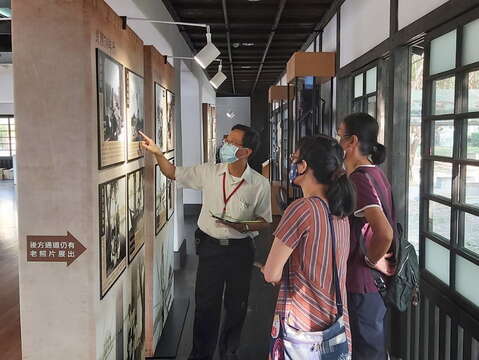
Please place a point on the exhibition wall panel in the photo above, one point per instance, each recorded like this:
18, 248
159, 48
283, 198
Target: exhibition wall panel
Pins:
91, 85
359, 33
231, 111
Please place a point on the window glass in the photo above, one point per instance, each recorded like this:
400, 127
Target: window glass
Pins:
472, 186
472, 146
467, 274
372, 106
371, 80
443, 96
415, 114
443, 138
443, 53
439, 221
442, 179
358, 85
437, 260
357, 106
470, 50
471, 227
473, 91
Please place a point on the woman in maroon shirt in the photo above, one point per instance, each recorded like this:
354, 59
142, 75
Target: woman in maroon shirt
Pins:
358, 137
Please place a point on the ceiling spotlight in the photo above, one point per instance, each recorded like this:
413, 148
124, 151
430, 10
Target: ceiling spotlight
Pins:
235, 45
219, 78
208, 53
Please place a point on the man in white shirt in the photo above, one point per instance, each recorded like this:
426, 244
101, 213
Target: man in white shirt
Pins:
231, 190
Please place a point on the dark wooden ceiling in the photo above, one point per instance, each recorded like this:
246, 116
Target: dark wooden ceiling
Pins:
256, 38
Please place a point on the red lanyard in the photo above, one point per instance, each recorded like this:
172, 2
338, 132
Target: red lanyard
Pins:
226, 199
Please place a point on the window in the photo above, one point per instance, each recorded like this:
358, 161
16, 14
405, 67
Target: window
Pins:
451, 158
365, 95
7, 136
416, 66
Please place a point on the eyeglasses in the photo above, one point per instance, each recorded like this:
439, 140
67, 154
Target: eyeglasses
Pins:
225, 141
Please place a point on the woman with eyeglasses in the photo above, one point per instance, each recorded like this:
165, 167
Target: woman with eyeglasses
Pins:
309, 255
371, 235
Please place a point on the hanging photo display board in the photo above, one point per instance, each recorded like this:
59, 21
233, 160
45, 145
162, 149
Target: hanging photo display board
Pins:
160, 199
170, 193
162, 284
160, 117
136, 209
170, 125
112, 197
111, 125
135, 113
135, 310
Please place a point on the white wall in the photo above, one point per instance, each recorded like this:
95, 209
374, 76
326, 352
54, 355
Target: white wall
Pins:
364, 24
6, 89
192, 127
239, 106
329, 35
411, 10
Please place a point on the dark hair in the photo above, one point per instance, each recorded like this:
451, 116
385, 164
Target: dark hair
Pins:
324, 156
250, 137
366, 128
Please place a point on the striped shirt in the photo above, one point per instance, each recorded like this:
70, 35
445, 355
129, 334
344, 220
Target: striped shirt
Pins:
310, 300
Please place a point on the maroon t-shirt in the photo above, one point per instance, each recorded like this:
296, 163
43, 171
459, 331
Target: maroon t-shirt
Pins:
359, 279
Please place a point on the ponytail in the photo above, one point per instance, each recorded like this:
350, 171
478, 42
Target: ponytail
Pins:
378, 154
325, 156
341, 196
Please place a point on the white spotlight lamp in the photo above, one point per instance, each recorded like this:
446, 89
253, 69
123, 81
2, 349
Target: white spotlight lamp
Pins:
208, 54
219, 78
204, 57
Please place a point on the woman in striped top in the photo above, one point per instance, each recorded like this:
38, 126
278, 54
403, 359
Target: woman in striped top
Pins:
308, 300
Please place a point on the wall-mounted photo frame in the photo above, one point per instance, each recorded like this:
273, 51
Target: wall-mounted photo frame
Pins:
135, 309
160, 200
111, 122
136, 210
170, 193
170, 121
160, 117
135, 113
113, 232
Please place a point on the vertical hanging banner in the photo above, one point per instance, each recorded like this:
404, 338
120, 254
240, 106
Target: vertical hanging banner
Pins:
41, 248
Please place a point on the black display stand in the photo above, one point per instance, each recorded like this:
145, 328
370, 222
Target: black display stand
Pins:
167, 347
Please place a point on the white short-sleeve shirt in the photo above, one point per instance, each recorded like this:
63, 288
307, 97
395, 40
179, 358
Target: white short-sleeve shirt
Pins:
250, 201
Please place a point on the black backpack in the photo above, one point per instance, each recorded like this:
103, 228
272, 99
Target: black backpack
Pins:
401, 289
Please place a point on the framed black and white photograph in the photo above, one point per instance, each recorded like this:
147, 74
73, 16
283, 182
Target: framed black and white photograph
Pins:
160, 199
160, 117
170, 193
136, 209
111, 123
112, 196
163, 284
135, 113
170, 122
135, 310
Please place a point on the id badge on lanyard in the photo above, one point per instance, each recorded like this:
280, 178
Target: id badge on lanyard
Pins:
226, 199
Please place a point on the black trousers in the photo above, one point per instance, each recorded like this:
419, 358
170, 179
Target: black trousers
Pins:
366, 319
221, 269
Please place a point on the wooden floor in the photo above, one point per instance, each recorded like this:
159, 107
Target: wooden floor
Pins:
10, 344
